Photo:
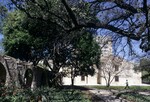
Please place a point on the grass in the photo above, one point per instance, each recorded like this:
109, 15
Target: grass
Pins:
107, 88
141, 88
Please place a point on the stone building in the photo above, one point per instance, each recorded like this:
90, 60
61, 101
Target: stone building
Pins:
14, 72
113, 70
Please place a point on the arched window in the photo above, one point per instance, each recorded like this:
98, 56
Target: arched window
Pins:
28, 77
116, 67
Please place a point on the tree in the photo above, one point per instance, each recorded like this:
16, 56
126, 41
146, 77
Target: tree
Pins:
111, 67
25, 39
144, 67
3, 13
84, 52
22, 40
126, 18
17, 41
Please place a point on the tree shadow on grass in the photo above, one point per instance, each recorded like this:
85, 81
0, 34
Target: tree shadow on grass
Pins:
91, 96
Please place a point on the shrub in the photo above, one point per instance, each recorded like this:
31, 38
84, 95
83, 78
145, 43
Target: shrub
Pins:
43, 94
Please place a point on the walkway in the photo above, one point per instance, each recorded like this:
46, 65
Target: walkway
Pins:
106, 95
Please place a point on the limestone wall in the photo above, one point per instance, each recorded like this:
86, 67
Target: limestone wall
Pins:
15, 70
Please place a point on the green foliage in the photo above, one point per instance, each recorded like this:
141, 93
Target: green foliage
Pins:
70, 15
42, 34
17, 41
41, 94
144, 67
3, 13
28, 39
14, 36
88, 53
83, 53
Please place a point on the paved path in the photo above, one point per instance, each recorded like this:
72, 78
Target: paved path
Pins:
106, 95
144, 93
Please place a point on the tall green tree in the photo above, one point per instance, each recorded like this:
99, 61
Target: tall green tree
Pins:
144, 67
17, 41
84, 53
35, 40
31, 40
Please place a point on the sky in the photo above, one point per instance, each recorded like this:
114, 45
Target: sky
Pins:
1, 47
1, 36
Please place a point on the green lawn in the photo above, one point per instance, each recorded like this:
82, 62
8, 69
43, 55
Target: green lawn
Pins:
142, 88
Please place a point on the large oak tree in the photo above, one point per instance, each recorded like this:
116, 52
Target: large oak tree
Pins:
34, 40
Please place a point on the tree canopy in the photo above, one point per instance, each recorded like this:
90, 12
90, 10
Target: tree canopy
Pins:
3, 11
17, 41
126, 18
144, 67
84, 53
33, 40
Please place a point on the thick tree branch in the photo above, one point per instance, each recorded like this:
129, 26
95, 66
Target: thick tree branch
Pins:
111, 28
96, 25
42, 7
125, 6
121, 17
70, 12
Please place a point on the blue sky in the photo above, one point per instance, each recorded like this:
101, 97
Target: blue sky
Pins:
1, 36
1, 47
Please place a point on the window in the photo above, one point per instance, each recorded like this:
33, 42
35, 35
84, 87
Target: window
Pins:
116, 68
116, 78
105, 46
82, 78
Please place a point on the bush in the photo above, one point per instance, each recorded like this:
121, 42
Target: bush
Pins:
44, 94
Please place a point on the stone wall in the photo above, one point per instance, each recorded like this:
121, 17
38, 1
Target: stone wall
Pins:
12, 71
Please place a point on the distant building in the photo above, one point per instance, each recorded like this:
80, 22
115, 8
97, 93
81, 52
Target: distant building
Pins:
117, 68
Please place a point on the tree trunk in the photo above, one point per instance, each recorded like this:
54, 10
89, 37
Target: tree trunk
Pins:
108, 84
72, 77
72, 81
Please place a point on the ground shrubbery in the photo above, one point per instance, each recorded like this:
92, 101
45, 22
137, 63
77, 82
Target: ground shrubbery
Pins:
41, 95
